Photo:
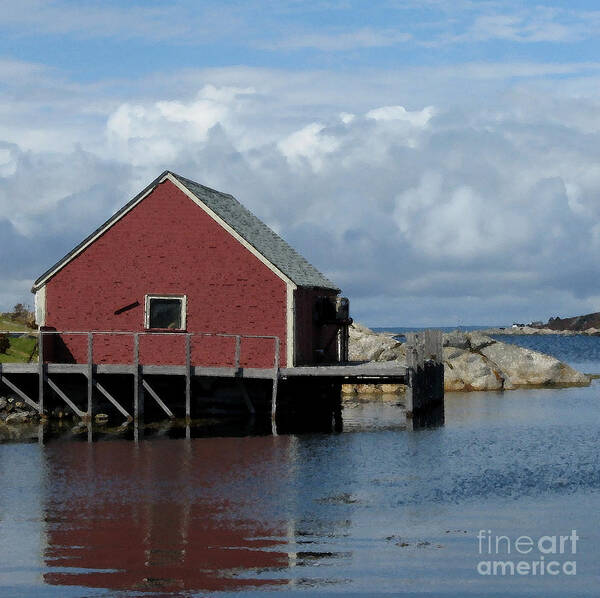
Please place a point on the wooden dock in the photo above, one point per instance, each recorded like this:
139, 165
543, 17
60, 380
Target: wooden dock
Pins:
32, 382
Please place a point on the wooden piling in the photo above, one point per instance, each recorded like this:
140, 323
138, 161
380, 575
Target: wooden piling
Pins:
41, 372
90, 375
188, 376
138, 389
274, 393
424, 361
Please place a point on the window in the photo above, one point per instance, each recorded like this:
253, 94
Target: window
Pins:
167, 312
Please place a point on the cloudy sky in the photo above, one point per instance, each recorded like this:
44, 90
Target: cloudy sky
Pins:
438, 159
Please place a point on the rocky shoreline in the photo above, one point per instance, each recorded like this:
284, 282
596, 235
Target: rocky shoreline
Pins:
472, 361
17, 420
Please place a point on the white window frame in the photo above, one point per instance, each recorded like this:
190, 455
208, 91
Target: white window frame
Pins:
183, 299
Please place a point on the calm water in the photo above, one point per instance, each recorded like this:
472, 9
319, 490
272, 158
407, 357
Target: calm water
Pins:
375, 509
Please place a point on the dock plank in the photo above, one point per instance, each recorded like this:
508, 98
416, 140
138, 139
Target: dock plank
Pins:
363, 371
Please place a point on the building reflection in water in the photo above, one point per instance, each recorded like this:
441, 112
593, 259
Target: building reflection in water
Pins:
159, 515
178, 513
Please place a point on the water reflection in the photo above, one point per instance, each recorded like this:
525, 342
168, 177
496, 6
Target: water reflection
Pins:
221, 505
375, 509
121, 516
174, 516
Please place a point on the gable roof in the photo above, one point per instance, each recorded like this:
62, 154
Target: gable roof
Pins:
285, 259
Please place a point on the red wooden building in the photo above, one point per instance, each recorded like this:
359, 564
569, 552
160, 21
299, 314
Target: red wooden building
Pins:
180, 257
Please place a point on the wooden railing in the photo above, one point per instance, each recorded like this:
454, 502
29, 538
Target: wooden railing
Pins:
188, 337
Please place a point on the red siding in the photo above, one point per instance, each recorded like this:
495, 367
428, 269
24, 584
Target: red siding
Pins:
169, 245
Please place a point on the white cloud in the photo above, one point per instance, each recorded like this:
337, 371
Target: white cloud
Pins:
308, 145
417, 118
152, 133
421, 214
8, 162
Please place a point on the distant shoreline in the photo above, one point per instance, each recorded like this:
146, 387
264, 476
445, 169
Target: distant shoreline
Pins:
490, 331
529, 330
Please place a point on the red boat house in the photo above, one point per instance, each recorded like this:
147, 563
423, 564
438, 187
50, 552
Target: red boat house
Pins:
181, 257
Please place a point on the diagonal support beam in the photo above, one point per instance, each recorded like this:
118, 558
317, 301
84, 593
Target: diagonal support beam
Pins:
64, 397
105, 392
155, 396
25, 397
246, 397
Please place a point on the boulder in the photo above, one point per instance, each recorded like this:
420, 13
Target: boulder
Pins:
457, 339
464, 370
478, 341
3, 403
19, 417
524, 367
366, 345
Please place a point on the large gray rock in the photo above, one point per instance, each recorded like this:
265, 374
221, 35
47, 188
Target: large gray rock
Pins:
472, 361
457, 339
478, 341
464, 370
366, 345
524, 367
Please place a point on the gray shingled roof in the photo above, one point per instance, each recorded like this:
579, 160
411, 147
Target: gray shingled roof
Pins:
259, 235
246, 224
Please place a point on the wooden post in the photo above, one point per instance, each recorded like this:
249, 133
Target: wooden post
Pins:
425, 369
274, 394
138, 390
238, 351
188, 376
90, 374
433, 353
415, 365
41, 372
412, 390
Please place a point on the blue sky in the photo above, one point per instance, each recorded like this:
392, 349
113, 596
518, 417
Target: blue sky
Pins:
439, 160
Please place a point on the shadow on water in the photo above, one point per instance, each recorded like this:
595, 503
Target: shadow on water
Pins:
69, 430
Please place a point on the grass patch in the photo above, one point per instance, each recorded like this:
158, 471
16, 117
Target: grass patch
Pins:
12, 325
20, 350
